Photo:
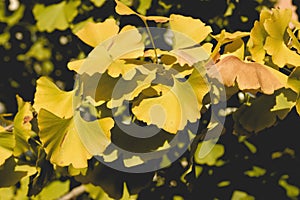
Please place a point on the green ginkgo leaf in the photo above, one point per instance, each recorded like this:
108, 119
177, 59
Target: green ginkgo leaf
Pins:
22, 127
7, 144
59, 137
54, 190
275, 46
263, 111
47, 96
61, 141
57, 16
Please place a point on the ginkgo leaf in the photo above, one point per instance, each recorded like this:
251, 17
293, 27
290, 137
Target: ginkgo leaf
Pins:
257, 38
230, 37
56, 16
48, 95
294, 80
282, 103
54, 190
248, 75
7, 144
275, 46
122, 9
61, 141
59, 137
187, 37
22, 126
262, 112
9, 173
127, 44
95, 33
235, 48
238, 195
172, 110
128, 90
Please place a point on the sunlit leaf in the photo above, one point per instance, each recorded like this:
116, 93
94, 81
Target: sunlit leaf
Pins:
276, 27
128, 90
96, 192
48, 95
54, 190
7, 144
257, 38
282, 103
173, 109
95, 33
186, 37
230, 37
248, 75
123, 9
59, 137
22, 127
55, 16
125, 45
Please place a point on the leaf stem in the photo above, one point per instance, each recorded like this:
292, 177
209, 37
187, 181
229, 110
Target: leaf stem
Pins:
151, 40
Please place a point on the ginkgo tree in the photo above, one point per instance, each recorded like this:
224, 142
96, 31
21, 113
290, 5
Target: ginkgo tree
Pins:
129, 80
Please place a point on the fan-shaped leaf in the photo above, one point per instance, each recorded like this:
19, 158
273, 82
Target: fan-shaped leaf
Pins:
248, 75
95, 33
56, 16
187, 37
276, 27
174, 108
48, 95
7, 144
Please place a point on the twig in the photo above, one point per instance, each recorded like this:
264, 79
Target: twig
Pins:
73, 193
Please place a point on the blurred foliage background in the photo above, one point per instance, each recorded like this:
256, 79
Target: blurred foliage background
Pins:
265, 167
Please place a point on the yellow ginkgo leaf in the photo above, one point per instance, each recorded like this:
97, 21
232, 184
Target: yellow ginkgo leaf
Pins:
129, 89
282, 103
209, 158
230, 37
235, 48
7, 144
22, 126
127, 44
257, 38
248, 75
187, 37
95, 33
172, 110
59, 136
48, 95
122, 9
275, 46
